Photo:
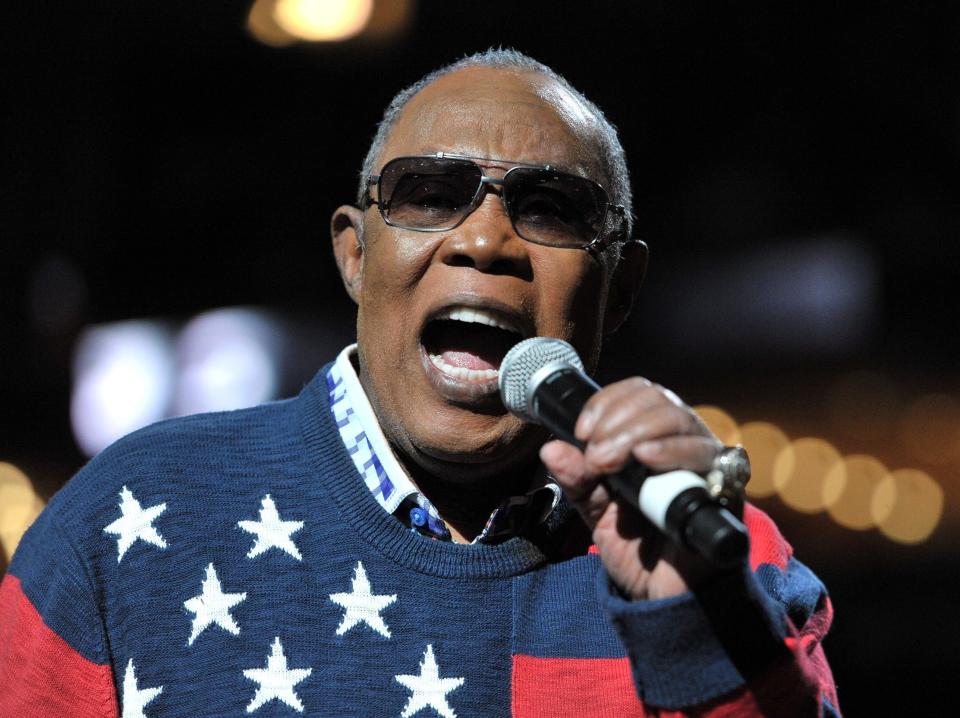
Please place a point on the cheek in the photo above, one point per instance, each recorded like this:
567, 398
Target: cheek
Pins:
576, 292
392, 266
394, 262
572, 307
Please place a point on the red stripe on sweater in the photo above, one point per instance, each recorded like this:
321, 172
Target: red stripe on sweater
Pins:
573, 687
42, 675
767, 544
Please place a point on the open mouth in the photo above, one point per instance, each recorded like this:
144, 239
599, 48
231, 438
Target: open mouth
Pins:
468, 344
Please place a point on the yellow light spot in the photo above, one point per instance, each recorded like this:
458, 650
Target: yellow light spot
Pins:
263, 26
849, 488
931, 429
720, 423
19, 507
800, 472
322, 20
764, 443
907, 506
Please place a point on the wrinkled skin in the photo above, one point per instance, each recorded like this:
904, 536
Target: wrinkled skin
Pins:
453, 436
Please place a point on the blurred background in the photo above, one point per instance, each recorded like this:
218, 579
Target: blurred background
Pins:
169, 170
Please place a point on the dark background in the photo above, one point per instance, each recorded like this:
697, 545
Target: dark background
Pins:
174, 164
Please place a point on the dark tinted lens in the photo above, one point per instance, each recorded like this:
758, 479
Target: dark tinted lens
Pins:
426, 192
554, 208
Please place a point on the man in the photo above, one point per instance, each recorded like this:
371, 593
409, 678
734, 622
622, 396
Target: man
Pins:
389, 543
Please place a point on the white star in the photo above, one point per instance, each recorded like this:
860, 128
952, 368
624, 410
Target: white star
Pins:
429, 689
276, 680
213, 606
362, 605
271, 532
135, 700
135, 523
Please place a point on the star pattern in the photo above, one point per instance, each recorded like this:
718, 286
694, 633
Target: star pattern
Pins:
134, 699
135, 523
276, 680
429, 690
362, 606
212, 606
271, 531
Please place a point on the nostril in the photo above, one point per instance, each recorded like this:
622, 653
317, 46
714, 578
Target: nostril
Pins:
499, 265
512, 267
460, 260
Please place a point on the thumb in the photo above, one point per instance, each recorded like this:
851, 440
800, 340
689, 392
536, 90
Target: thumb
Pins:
567, 465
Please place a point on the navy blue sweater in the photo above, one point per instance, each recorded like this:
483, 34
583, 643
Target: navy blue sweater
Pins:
235, 563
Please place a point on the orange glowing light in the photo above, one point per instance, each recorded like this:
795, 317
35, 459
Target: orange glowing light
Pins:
765, 442
907, 506
800, 473
323, 20
849, 488
720, 423
19, 507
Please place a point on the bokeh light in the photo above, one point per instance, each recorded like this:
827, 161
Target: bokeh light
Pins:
228, 359
720, 423
907, 506
858, 492
765, 443
849, 488
19, 507
323, 20
800, 473
123, 378
263, 25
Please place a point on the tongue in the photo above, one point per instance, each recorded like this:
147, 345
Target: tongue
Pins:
468, 345
466, 360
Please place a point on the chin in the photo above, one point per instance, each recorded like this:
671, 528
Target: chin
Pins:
494, 447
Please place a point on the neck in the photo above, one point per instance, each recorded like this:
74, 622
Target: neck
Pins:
466, 505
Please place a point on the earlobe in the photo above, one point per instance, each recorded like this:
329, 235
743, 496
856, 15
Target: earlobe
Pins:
625, 284
346, 233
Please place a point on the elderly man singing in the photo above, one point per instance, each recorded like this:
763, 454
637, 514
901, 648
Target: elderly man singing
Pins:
393, 541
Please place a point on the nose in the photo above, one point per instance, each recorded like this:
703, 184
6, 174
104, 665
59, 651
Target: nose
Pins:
487, 242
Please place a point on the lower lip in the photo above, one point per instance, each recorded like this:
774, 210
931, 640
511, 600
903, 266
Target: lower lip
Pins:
458, 388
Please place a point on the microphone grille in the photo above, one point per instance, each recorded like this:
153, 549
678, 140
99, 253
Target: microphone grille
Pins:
522, 362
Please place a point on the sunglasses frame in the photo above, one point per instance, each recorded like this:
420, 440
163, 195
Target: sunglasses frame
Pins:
593, 247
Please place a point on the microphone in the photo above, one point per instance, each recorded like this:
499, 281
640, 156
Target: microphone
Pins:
542, 381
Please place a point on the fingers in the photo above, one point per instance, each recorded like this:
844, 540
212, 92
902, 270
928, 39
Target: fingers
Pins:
695, 453
566, 464
637, 419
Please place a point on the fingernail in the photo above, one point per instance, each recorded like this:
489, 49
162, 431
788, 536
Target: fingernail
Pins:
601, 450
585, 423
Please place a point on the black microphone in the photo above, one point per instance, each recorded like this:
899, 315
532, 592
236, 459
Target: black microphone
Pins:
542, 381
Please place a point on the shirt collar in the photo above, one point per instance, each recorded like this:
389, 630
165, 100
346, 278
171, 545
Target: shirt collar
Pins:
389, 482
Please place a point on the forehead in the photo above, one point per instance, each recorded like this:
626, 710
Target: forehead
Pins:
505, 114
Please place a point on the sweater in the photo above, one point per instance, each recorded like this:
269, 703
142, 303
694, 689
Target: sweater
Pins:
236, 564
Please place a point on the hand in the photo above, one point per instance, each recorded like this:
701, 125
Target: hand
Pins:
633, 419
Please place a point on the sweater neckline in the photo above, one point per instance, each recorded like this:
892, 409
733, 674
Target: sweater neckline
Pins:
334, 468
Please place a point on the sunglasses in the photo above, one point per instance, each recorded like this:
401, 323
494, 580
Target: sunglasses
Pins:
438, 192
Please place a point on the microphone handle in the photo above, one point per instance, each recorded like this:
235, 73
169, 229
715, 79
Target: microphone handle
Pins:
677, 502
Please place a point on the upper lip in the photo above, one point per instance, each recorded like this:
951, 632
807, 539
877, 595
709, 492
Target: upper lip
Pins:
489, 311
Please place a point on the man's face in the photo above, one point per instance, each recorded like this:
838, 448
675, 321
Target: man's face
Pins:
432, 305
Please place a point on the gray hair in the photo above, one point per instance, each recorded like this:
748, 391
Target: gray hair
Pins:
612, 157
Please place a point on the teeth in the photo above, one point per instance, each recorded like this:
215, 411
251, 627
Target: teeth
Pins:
459, 372
476, 316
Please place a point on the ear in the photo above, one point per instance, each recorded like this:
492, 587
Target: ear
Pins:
625, 284
346, 232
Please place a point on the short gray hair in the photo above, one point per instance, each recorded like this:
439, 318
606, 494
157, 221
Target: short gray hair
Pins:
612, 157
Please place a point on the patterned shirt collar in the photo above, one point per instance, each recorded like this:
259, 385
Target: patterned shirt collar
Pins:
389, 482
